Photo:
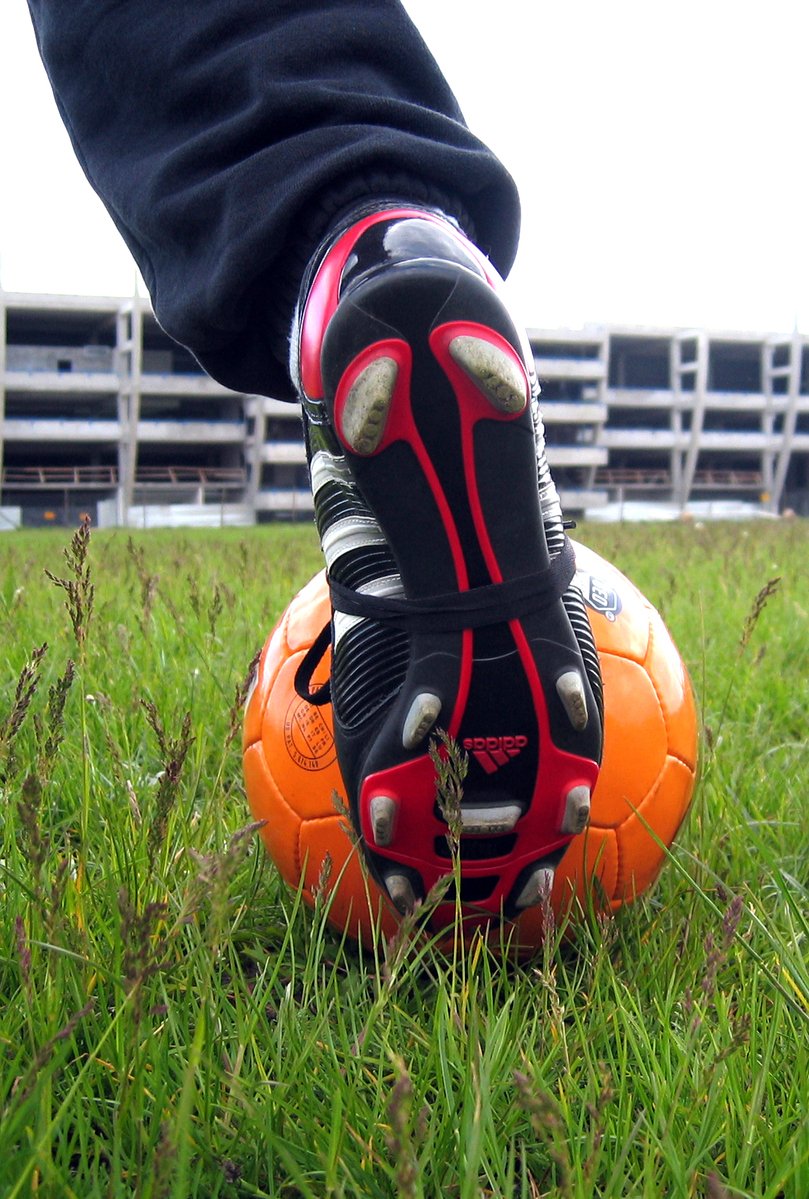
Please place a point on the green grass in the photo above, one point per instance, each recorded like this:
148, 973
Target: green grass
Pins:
173, 1022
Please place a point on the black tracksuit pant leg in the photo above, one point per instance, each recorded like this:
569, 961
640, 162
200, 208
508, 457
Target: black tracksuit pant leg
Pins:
224, 137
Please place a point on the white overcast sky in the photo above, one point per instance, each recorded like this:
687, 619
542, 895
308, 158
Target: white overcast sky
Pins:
660, 149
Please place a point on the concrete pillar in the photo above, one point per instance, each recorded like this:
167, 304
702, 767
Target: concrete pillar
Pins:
793, 377
695, 366
769, 373
255, 408
601, 397
128, 361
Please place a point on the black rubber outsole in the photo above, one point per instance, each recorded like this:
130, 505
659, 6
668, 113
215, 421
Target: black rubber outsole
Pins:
426, 392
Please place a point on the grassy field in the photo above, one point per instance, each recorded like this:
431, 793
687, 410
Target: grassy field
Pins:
174, 1023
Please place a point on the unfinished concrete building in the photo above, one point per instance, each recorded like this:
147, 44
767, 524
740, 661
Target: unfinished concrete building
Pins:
101, 412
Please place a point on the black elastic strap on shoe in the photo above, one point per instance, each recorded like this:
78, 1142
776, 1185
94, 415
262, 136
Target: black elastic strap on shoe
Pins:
496, 603
309, 664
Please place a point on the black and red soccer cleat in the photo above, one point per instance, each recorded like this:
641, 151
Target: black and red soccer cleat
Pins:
449, 570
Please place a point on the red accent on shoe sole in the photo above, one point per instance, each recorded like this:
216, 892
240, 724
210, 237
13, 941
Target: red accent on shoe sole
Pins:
401, 426
324, 294
413, 783
473, 404
413, 786
551, 779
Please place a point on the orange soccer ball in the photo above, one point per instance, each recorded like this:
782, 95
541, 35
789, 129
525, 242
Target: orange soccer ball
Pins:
646, 781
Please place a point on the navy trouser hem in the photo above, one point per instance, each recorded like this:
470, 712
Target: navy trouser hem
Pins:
225, 135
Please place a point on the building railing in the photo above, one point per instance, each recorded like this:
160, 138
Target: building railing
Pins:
631, 477
196, 476
61, 478
613, 476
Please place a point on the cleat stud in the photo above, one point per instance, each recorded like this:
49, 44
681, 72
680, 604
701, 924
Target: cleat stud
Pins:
536, 889
400, 889
489, 820
577, 810
364, 415
422, 715
494, 372
570, 689
383, 819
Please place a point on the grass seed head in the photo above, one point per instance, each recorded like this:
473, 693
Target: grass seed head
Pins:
144, 947
34, 843
79, 587
26, 688
320, 890
164, 1164
173, 751
240, 699
25, 1085
148, 582
347, 827
216, 872
759, 603
404, 1135
215, 609
53, 733
23, 956
451, 766
548, 1126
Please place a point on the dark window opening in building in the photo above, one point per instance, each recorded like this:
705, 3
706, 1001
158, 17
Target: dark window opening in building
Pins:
577, 351
33, 407
796, 489
189, 408
639, 362
734, 366
59, 327
192, 454
780, 355
639, 417
570, 390
568, 435
731, 422
716, 459
282, 476
648, 460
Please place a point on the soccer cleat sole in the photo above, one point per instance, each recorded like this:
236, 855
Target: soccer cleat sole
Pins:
426, 392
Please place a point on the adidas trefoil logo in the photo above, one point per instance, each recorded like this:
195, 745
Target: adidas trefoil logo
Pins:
493, 752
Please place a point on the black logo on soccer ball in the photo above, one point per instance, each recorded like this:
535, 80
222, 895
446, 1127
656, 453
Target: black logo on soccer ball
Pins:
602, 598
